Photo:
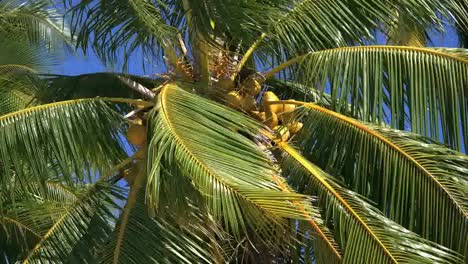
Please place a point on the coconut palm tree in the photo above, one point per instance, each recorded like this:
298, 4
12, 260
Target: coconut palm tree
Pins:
280, 133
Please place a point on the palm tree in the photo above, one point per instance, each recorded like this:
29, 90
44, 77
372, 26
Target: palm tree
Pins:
359, 160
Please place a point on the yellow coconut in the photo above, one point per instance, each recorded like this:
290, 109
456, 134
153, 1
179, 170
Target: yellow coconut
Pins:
283, 133
248, 103
136, 134
260, 116
270, 97
295, 127
271, 119
286, 111
288, 107
234, 99
225, 84
254, 113
252, 86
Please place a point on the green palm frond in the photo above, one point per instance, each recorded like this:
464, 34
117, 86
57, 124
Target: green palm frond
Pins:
139, 238
19, 231
313, 25
357, 224
17, 53
404, 32
292, 90
13, 96
120, 26
19, 87
38, 20
429, 87
457, 52
242, 20
460, 12
72, 224
197, 139
27, 217
178, 138
33, 138
420, 185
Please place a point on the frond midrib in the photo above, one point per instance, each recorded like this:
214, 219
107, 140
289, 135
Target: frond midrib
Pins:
131, 200
18, 223
391, 145
51, 231
182, 142
284, 188
75, 101
397, 48
304, 163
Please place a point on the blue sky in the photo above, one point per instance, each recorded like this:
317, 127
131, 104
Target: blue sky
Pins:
78, 64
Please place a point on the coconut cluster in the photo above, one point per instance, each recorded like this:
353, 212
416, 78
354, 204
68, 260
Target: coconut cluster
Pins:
278, 117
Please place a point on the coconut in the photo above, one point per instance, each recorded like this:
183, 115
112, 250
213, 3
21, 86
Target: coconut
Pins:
271, 119
270, 97
260, 116
286, 111
283, 133
248, 103
295, 127
252, 86
234, 99
136, 134
225, 84
288, 107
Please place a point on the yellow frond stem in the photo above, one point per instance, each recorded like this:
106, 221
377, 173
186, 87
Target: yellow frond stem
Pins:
313, 171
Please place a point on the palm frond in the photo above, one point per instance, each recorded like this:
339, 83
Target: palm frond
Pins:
356, 224
460, 12
26, 217
414, 181
16, 52
285, 89
232, 20
197, 139
313, 25
120, 27
15, 94
427, 86
404, 32
73, 223
19, 88
457, 52
36, 137
38, 20
138, 238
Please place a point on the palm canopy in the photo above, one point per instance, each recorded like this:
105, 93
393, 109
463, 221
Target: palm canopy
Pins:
217, 167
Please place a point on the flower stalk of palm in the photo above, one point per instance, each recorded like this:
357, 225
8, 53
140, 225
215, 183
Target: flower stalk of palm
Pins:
302, 162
